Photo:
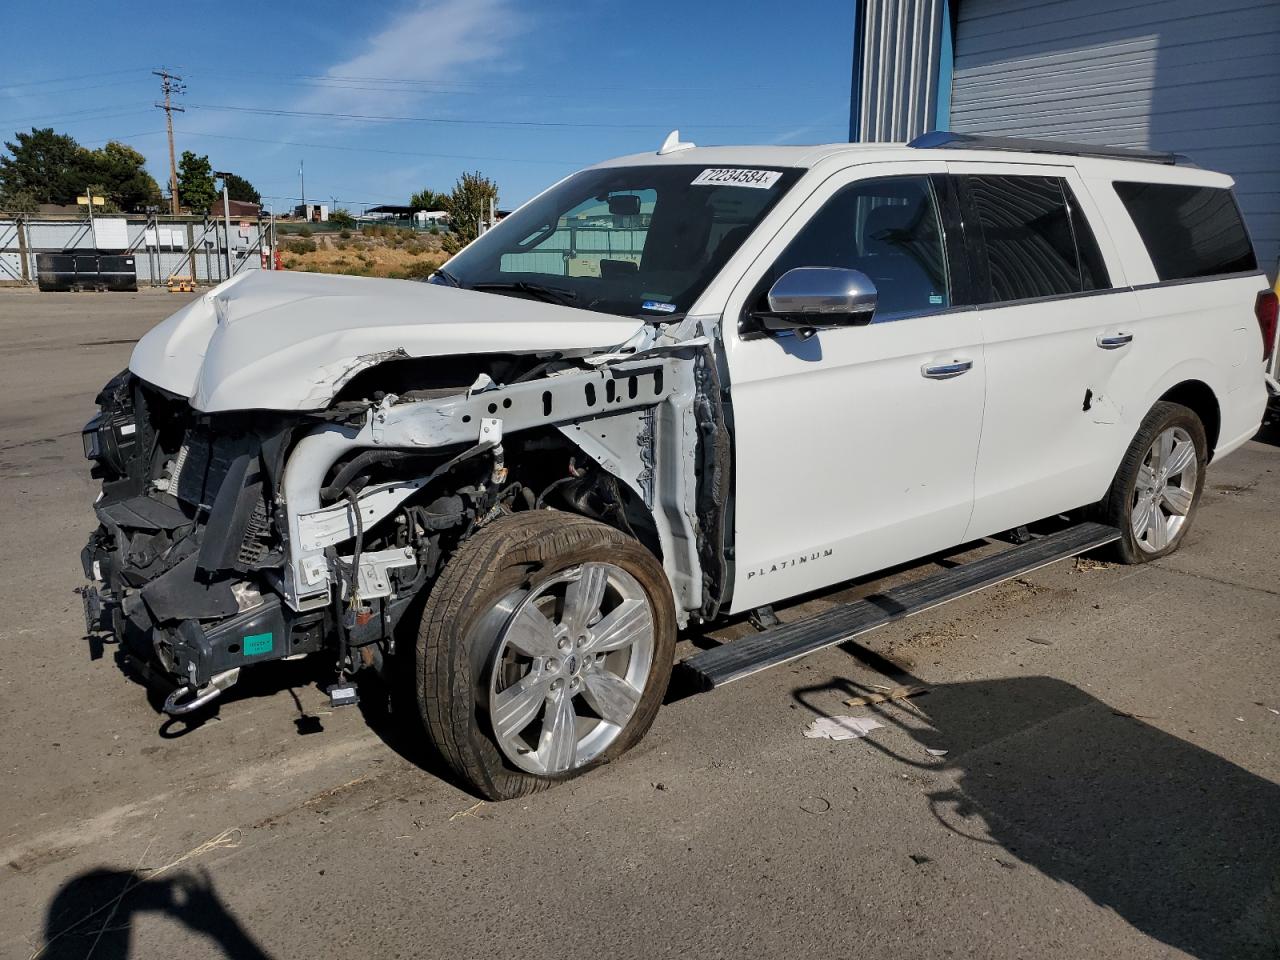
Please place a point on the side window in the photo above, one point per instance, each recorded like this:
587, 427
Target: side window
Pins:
1189, 231
891, 231
1034, 247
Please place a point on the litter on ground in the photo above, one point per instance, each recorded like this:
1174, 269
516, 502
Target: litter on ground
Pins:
841, 728
890, 693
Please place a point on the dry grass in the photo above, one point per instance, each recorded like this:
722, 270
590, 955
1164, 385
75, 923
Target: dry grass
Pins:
397, 256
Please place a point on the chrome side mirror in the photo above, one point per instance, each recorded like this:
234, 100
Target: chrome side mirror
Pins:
806, 299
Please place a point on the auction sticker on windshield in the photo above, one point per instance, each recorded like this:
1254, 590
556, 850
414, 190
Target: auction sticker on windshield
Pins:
736, 177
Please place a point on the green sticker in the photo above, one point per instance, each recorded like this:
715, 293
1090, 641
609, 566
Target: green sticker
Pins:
257, 643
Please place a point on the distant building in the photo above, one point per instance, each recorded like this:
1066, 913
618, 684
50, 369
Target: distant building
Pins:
387, 211
313, 212
239, 209
430, 218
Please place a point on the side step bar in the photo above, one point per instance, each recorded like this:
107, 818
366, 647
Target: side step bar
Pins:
778, 645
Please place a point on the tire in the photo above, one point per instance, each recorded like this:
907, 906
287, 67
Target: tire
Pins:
1148, 534
482, 651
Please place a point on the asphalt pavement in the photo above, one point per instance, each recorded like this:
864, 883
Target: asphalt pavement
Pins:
1094, 771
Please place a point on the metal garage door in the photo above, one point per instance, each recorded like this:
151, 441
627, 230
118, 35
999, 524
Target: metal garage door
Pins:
1181, 75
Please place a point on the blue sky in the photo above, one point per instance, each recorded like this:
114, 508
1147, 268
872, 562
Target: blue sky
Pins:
524, 91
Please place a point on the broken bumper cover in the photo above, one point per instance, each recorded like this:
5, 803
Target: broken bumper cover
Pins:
193, 653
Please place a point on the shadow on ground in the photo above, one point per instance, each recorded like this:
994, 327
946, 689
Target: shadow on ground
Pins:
1179, 842
1269, 432
94, 914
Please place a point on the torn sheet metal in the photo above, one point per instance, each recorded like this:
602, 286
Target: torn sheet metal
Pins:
332, 377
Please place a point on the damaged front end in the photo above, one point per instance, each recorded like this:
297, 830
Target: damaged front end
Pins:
188, 538
232, 538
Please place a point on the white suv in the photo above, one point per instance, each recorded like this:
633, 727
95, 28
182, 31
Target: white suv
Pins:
670, 388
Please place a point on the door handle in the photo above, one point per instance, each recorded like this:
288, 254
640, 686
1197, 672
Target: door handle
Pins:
1115, 340
945, 371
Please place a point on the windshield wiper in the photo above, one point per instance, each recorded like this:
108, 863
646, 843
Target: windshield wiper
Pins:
565, 298
449, 279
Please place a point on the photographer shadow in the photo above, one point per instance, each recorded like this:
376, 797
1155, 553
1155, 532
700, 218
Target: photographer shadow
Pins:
95, 913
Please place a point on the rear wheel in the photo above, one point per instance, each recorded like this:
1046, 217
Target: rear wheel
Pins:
1157, 489
545, 650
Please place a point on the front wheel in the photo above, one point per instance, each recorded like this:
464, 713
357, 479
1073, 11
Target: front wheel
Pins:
545, 650
1157, 489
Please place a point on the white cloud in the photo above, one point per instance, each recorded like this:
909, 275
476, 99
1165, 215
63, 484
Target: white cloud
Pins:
434, 40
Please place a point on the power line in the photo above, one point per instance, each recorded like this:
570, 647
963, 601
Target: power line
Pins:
447, 87
81, 76
275, 112
77, 116
410, 82
93, 86
402, 153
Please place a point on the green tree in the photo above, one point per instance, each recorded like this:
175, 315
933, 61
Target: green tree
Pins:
238, 188
51, 167
342, 217
428, 199
196, 190
17, 201
120, 175
467, 206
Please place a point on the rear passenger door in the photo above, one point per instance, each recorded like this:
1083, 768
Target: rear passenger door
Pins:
1057, 324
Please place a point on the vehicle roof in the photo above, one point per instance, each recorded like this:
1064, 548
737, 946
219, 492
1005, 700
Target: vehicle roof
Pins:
837, 155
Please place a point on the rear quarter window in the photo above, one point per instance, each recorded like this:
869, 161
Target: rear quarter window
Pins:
1189, 231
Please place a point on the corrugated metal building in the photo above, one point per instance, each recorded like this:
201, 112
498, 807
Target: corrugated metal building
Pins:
1179, 75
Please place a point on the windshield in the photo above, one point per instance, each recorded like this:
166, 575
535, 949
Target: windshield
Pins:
639, 241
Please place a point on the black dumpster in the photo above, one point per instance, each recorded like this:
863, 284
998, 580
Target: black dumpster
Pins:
86, 271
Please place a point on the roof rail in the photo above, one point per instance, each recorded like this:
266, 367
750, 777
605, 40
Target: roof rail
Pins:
968, 141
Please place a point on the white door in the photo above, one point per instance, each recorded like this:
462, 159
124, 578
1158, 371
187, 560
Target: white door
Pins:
854, 449
1060, 329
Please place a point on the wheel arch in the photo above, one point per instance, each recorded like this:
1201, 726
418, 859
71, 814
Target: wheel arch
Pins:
1198, 397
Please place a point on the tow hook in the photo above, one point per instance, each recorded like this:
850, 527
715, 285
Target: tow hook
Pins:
203, 696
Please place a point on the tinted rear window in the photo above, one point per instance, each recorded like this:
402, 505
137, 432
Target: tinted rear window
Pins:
1189, 231
1035, 247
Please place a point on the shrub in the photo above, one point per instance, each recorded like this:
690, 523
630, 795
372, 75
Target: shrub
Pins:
344, 233
304, 245
419, 270
304, 231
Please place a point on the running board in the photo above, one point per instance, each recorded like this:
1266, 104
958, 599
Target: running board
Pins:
778, 645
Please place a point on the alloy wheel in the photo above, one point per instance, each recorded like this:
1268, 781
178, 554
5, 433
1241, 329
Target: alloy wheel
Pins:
1165, 490
570, 667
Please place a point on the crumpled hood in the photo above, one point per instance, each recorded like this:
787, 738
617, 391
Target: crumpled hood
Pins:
274, 340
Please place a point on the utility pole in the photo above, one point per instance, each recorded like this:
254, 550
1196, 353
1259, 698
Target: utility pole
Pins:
302, 174
171, 84
226, 218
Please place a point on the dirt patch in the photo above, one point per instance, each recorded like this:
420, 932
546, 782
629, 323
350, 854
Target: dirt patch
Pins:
1234, 488
35, 859
1088, 565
